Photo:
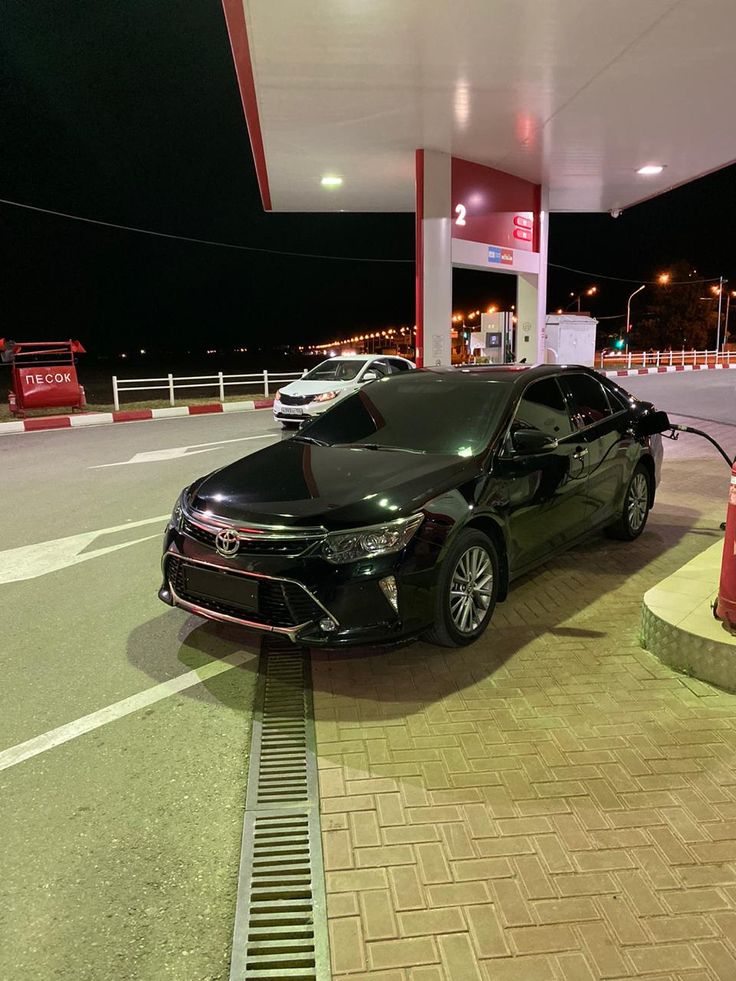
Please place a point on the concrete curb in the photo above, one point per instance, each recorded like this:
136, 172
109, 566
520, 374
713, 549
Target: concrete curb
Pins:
40, 423
665, 369
678, 626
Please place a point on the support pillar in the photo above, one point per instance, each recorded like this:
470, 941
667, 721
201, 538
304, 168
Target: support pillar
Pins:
531, 299
433, 258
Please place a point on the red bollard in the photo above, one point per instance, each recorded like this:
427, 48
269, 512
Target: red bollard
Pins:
726, 606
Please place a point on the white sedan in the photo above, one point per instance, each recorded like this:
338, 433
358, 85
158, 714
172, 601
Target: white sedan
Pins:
331, 381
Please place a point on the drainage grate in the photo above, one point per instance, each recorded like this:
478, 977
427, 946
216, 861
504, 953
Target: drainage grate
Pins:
280, 919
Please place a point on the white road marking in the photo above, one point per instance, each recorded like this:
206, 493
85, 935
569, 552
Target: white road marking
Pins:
176, 452
63, 734
32, 561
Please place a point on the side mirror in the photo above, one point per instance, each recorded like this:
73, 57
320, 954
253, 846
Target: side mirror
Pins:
530, 441
371, 376
651, 423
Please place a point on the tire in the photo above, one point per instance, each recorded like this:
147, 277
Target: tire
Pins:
457, 622
635, 513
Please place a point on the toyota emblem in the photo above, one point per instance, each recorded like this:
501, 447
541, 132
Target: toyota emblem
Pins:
227, 542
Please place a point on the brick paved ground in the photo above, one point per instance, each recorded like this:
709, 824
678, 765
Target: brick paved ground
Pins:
551, 803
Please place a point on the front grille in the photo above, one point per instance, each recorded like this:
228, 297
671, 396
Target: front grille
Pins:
260, 545
285, 399
194, 531
280, 604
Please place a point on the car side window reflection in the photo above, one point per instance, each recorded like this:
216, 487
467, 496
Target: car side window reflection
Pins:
617, 400
589, 401
543, 407
380, 368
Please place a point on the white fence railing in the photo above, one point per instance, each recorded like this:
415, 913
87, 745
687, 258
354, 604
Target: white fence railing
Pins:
262, 380
652, 359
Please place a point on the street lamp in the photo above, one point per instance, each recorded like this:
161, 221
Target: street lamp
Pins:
729, 294
719, 291
663, 278
628, 314
591, 291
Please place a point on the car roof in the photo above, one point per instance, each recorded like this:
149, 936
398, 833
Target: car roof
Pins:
520, 374
353, 357
364, 357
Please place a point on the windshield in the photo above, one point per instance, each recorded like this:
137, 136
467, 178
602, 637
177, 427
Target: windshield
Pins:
422, 412
336, 369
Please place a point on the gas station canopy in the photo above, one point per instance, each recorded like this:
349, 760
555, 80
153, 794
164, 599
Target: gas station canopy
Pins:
574, 95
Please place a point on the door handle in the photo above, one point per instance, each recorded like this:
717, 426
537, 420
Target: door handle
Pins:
580, 453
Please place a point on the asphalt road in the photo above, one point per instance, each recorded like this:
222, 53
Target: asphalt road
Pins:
706, 395
120, 846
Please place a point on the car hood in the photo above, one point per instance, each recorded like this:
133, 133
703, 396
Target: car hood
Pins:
295, 483
316, 387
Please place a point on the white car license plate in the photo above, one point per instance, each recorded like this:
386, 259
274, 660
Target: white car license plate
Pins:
290, 410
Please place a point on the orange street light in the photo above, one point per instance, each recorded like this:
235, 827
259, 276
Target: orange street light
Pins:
663, 278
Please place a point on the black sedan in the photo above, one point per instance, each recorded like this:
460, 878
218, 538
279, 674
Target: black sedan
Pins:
408, 508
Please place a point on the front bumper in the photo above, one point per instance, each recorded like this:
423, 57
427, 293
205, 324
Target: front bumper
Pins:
299, 413
305, 598
168, 594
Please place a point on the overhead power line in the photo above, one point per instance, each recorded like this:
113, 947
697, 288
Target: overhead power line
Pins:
301, 255
198, 241
620, 279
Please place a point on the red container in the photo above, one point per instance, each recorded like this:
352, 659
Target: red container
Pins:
43, 375
47, 387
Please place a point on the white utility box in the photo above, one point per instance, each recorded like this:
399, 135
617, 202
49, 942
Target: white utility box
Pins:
570, 339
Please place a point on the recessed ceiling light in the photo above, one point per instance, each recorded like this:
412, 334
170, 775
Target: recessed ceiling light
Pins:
331, 181
650, 170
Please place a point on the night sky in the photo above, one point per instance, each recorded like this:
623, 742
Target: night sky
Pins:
130, 113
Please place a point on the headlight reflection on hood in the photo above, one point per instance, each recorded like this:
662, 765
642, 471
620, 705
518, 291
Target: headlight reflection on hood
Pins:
363, 543
178, 513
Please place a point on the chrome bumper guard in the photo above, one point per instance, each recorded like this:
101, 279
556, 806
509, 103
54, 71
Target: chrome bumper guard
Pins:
201, 611
291, 632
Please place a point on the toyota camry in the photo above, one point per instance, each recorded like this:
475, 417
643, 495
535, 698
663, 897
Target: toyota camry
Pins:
407, 509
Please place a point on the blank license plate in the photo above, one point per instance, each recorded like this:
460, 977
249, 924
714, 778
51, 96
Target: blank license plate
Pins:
234, 590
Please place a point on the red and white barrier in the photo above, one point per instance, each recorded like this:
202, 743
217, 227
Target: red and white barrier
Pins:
39, 423
141, 415
665, 369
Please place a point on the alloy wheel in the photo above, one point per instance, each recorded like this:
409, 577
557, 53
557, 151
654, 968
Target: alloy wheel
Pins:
471, 589
638, 502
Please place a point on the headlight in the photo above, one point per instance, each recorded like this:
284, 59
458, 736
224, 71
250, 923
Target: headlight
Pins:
325, 396
178, 513
278, 394
364, 543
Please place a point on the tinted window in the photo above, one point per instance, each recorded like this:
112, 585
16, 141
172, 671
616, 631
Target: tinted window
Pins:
336, 369
617, 398
398, 365
589, 402
380, 368
426, 412
543, 407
